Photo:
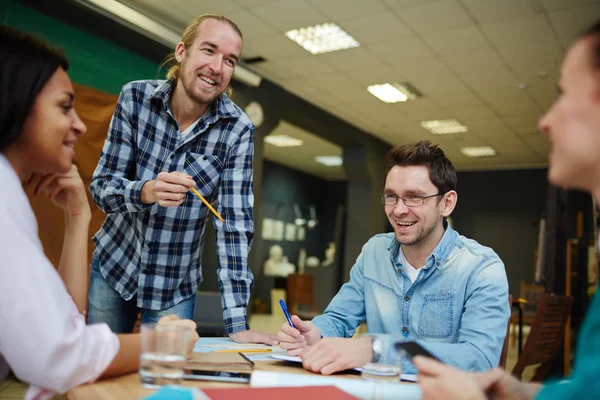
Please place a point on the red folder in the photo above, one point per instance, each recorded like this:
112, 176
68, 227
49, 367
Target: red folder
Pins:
279, 393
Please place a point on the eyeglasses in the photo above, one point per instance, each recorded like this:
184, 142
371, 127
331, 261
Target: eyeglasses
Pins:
410, 201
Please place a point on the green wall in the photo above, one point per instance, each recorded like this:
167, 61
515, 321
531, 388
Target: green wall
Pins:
94, 62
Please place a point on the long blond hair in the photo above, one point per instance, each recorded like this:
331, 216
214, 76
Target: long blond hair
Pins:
188, 39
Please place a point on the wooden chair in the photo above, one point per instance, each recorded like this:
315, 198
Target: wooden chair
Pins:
300, 296
531, 292
504, 354
546, 335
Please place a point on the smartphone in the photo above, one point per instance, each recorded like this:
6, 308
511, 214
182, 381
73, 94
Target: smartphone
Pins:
415, 349
221, 376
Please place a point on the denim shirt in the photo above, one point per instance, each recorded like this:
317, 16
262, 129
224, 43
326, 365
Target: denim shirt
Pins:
457, 308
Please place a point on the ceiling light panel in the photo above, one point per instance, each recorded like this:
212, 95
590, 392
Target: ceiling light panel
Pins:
480, 151
393, 92
322, 38
283, 141
330, 161
444, 126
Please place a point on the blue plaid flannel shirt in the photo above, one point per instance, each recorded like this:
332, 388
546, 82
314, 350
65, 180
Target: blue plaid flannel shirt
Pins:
156, 252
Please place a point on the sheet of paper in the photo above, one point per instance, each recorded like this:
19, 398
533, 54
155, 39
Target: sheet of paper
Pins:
356, 387
212, 344
285, 357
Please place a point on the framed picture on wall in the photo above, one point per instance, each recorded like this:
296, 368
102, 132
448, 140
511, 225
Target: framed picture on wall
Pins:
301, 234
267, 228
278, 230
290, 232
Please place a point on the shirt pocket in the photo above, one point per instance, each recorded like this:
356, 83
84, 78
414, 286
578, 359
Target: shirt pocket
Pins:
435, 321
205, 170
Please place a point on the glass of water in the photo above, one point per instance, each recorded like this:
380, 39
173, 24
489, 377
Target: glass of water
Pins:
387, 363
164, 350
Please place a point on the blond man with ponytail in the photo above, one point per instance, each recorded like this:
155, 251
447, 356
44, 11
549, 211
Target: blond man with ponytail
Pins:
166, 137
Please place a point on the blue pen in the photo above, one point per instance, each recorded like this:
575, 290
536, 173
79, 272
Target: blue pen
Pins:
287, 314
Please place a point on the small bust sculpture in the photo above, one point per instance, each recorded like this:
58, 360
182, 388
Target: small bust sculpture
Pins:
277, 264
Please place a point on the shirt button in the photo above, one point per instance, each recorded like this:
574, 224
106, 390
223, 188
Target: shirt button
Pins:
438, 263
399, 270
406, 298
404, 329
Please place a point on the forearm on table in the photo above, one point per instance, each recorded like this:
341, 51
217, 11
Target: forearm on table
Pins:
128, 358
73, 264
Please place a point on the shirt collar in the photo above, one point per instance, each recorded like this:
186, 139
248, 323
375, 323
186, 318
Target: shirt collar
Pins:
438, 256
222, 107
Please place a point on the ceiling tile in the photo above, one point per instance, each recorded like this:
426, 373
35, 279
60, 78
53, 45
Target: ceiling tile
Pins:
373, 76
347, 60
289, 14
307, 66
376, 28
551, 5
398, 4
457, 41
252, 27
533, 29
475, 63
510, 102
476, 116
540, 145
343, 10
423, 109
440, 16
528, 61
571, 23
253, 3
544, 91
493, 10
275, 70
278, 48
523, 124
443, 82
499, 78
193, 8
401, 50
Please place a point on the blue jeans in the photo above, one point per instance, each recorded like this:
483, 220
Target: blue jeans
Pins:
106, 305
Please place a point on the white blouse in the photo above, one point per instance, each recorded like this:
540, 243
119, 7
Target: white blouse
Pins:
43, 338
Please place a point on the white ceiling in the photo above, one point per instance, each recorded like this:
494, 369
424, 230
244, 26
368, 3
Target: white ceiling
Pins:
468, 58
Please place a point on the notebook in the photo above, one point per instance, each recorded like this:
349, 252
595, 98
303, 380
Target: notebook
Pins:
219, 362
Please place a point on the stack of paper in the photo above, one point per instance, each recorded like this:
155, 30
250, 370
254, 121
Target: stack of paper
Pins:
219, 362
358, 388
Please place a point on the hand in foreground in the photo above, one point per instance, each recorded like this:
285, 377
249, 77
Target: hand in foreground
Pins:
295, 340
173, 319
439, 381
168, 189
251, 336
500, 385
65, 190
331, 355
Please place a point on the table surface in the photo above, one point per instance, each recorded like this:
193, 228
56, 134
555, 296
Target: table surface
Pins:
129, 386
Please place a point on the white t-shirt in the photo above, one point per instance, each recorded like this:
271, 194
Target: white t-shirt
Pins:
43, 338
189, 129
408, 269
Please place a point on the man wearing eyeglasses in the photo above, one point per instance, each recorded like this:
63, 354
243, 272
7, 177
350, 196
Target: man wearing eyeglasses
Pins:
424, 282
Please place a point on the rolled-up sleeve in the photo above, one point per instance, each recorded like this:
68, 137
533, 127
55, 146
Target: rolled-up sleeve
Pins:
235, 234
114, 188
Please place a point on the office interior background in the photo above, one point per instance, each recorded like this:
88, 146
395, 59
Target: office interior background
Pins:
473, 76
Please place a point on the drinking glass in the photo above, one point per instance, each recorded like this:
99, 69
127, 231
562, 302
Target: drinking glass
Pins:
164, 350
388, 366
